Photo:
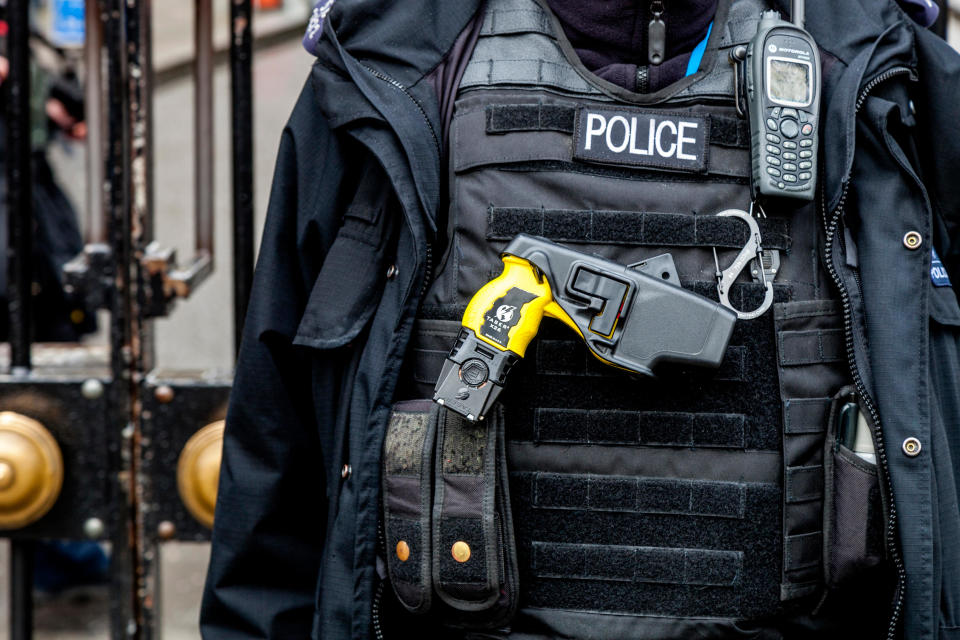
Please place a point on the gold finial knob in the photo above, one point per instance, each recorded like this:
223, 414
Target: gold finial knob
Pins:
198, 472
31, 470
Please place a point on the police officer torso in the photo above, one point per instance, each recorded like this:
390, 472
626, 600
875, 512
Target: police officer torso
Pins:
641, 507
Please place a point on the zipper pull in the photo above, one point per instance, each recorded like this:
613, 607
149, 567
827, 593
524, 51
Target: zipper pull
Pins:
656, 34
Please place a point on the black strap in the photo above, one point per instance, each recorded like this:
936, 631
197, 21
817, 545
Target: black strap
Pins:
474, 556
634, 228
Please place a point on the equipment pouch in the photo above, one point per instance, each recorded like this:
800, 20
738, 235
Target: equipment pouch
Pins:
853, 510
812, 368
407, 499
474, 552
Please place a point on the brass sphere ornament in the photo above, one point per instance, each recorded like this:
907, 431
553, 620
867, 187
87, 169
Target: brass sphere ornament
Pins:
31, 470
198, 472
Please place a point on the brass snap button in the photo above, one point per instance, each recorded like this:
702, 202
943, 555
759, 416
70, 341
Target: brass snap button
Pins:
392, 271
912, 240
346, 471
403, 551
911, 447
460, 551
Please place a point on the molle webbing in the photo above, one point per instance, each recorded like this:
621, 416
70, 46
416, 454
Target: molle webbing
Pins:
647, 546
629, 493
811, 347
517, 46
633, 228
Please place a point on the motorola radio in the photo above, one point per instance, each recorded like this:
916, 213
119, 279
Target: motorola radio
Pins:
783, 92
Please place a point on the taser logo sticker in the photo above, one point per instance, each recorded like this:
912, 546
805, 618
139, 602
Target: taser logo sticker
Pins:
641, 139
503, 315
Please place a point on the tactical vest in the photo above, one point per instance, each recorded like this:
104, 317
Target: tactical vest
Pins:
596, 503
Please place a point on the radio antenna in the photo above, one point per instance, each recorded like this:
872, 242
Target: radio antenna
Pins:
796, 12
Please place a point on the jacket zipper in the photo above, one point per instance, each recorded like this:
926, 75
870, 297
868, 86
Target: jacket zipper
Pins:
382, 76
378, 594
377, 604
831, 230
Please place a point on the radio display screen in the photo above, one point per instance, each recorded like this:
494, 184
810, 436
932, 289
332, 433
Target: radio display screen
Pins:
788, 82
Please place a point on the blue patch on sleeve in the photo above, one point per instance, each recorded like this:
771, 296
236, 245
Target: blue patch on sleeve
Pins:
315, 27
937, 271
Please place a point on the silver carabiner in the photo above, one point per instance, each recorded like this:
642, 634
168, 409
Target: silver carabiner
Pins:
753, 250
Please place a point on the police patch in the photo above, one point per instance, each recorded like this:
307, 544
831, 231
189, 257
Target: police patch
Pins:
640, 138
938, 274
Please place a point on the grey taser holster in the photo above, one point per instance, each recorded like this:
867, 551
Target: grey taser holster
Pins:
640, 508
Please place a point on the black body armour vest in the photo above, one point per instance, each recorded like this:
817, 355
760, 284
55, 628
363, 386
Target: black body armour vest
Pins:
689, 505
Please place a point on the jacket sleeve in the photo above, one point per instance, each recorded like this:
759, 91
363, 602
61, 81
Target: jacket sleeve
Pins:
939, 138
271, 504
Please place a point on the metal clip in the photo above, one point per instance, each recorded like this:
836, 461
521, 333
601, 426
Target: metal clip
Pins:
765, 267
752, 251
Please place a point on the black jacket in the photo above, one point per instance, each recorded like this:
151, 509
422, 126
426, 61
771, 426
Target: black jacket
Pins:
294, 544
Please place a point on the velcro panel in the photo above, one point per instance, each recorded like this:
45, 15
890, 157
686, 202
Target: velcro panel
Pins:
637, 564
654, 428
505, 118
407, 496
648, 546
633, 227
736, 406
463, 577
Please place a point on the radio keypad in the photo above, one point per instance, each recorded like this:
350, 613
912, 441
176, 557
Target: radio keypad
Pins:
789, 123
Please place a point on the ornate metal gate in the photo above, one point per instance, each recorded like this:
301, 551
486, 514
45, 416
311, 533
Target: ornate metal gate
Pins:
94, 443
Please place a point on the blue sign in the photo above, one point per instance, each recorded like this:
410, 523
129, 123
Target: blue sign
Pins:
67, 28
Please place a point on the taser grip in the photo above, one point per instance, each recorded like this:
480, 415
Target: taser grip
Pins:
498, 325
506, 312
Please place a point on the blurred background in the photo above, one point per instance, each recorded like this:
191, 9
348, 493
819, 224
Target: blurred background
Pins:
193, 347
71, 599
